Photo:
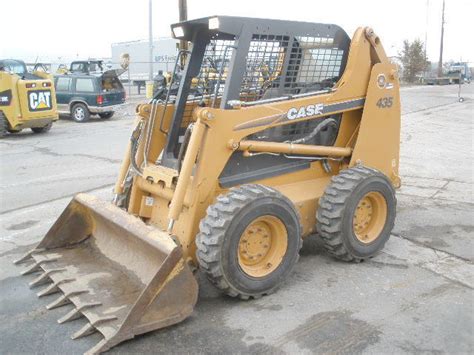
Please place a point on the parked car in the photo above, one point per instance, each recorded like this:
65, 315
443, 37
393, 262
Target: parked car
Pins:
82, 95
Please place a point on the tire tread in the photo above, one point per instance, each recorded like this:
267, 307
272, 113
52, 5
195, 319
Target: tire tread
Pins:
331, 210
212, 230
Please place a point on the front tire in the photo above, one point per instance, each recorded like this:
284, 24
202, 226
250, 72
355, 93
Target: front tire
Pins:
249, 241
80, 113
356, 214
43, 129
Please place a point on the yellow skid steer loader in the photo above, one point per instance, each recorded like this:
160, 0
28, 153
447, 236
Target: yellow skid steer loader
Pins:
296, 132
27, 99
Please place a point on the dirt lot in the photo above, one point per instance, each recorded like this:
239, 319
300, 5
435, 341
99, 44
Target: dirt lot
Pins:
416, 296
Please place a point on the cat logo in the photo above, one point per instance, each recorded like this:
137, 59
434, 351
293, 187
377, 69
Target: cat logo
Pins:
39, 100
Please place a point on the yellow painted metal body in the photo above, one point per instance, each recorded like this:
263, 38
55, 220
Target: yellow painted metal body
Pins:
369, 134
19, 112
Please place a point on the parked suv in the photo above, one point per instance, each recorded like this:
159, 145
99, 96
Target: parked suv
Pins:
82, 95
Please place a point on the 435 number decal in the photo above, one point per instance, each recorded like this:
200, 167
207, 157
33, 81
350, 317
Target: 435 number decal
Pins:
385, 102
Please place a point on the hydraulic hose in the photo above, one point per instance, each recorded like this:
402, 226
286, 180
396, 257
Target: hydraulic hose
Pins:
135, 142
316, 130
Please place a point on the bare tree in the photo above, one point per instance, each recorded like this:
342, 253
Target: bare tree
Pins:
413, 58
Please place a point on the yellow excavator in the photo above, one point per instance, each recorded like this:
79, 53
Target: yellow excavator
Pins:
296, 133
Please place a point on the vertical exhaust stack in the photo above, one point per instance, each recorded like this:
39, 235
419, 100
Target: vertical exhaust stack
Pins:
125, 277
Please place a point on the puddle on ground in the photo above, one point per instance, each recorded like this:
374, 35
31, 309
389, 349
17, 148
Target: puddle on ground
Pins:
22, 225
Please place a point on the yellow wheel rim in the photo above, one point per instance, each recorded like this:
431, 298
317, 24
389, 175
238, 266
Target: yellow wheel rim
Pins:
262, 246
369, 217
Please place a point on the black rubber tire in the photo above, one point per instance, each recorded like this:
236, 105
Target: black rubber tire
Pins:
43, 129
219, 236
106, 115
336, 211
3, 125
80, 117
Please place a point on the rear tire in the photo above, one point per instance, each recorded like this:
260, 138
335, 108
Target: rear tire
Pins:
80, 113
106, 115
3, 125
43, 129
356, 214
249, 241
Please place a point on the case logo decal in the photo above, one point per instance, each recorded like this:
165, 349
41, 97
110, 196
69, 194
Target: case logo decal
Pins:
305, 111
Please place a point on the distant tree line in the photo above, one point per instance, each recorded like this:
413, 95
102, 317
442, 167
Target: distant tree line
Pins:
413, 59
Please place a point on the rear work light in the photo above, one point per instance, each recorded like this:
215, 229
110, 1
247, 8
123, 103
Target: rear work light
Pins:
46, 85
100, 100
30, 85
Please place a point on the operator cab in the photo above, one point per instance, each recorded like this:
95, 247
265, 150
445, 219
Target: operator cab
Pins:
251, 61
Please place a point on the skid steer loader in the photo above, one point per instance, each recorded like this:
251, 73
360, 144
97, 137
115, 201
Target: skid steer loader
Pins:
27, 100
297, 134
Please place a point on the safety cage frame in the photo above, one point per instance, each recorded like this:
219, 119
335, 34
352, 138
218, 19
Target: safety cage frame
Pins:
252, 61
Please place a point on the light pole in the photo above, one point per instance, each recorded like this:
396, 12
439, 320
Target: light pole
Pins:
150, 39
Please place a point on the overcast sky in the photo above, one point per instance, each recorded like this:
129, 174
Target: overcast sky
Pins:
58, 30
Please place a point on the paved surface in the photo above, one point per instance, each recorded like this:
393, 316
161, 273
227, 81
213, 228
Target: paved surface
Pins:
416, 296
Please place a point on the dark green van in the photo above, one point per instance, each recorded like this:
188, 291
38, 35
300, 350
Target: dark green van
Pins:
82, 95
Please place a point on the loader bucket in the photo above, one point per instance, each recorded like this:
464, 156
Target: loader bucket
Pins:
123, 276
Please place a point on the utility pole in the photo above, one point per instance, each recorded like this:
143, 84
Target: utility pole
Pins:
440, 63
426, 70
150, 39
183, 16
426, 24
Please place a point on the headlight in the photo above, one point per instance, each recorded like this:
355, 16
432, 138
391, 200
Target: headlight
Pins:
178, 31
214, 23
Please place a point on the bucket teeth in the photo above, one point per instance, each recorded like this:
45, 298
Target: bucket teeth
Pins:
53, 288
27, 256
90, 328
72, 315
76, 313
44, 278
37, 266
64, 299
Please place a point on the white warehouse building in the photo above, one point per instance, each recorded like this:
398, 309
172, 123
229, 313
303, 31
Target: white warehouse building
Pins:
164, 54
